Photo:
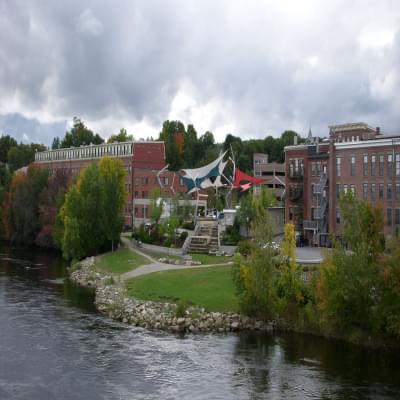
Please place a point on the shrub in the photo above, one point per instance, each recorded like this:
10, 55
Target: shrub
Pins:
181, 308
245, 247
183, 236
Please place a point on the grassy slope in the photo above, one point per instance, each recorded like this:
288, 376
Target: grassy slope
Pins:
120, 261
211, 288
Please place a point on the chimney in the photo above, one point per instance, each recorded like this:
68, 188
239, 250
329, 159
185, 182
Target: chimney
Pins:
295, 140
378, 130
317, 145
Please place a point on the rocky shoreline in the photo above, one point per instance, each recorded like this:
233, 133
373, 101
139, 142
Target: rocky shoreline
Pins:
112, 300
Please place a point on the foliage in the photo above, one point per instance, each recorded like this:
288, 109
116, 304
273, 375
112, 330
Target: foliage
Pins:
49, 203
181, 308
6, 143
232, 233
21, 208
91, 215
80, 135
22, 155
112, 177
156, 204
245, 247
122, 136
348, 287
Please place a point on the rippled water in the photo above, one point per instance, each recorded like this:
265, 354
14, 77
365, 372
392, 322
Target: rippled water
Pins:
54, 346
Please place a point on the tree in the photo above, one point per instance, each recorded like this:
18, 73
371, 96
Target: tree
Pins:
6, 143
56, 143
23, 154
348, 291
92, 214
112, 176
80, 135
156, 204
22, 208
49, 205
120, 137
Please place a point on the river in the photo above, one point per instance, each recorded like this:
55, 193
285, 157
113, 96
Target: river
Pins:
54, 346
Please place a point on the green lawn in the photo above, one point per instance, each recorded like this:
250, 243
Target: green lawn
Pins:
209, 259
211, 288
120, 261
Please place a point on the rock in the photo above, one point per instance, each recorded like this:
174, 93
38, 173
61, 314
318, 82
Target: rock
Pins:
235, 325
181, 321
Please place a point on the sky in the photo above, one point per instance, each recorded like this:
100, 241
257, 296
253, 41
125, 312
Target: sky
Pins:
250, 68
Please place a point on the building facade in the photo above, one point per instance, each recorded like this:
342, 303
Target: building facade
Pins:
274, 172
142, 161
355, 157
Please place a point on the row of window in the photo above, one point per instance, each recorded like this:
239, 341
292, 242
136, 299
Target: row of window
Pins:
85, 152
373, 165
392, 216
372, 191
296, 167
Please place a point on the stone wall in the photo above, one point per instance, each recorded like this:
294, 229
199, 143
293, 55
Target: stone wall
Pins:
112, 300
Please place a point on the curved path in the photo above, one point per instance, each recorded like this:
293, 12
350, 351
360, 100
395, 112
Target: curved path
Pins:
156, 266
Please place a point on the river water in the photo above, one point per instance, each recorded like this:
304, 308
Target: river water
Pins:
54, 346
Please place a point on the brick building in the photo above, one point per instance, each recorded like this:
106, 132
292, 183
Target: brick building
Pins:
142, 162
355, 157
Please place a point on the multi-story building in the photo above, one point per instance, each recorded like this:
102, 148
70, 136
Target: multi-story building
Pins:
274, 173
355, 157
142, 161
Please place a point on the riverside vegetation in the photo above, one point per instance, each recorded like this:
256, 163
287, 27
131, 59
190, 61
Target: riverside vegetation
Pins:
354, 295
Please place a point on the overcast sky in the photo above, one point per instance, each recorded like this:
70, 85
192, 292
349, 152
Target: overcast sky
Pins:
250, 68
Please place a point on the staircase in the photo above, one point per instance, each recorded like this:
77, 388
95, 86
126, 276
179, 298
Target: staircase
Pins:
205, 239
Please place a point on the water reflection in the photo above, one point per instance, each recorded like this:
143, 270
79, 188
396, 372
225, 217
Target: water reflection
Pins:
53, 346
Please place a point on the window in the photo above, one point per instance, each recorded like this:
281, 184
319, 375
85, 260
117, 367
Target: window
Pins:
338, 216
314, 213
145, 181
389, 216
353, 189
381, 165
345, 188
390, 165
338, 166
338, 189
381, 190
352, 165
365, 191
136, 194
137, 181
397, 194
373, 192
397, 170
389, 191
397, 216
365, 165
373, 165
313, 169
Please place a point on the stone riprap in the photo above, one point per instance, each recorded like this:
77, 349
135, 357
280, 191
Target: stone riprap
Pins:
112, 300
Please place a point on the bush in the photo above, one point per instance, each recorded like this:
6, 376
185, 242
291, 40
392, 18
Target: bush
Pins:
183, 236
181, 308
245, 247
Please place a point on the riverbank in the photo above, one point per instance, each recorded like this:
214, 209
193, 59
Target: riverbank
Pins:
112, 300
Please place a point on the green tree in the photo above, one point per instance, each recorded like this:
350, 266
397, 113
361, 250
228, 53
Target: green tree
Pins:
6, 143
156, 204
23, 154
56, 143
112, 177
120, 137
80, 135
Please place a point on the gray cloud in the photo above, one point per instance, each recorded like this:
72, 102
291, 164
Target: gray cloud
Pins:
252, 68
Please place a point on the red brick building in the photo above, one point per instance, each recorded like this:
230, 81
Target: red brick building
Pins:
142, 161
355, 157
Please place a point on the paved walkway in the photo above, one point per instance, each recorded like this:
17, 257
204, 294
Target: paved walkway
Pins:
156, 266
309, 255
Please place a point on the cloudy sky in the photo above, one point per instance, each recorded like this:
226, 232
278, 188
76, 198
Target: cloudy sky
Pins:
251, 68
